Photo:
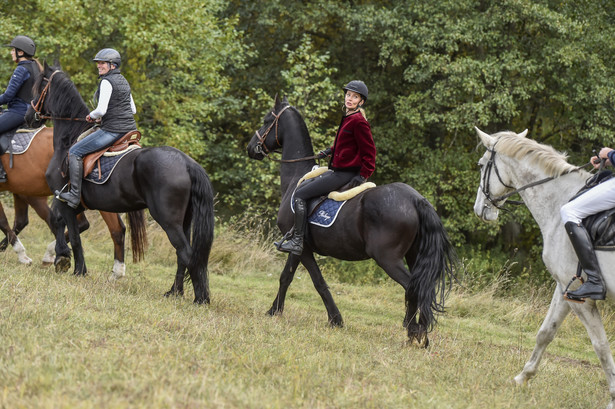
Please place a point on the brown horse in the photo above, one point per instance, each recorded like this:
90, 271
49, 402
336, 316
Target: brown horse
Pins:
26, 180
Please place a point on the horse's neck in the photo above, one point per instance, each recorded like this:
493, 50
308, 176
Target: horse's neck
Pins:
64, 133
297, 145
544, 201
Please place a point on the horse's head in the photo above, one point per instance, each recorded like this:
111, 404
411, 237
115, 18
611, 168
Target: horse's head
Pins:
268, 138
33, 115
38, 110
495, 179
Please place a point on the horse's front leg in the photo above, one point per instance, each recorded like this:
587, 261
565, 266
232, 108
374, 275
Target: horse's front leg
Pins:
285, 279
558, 310
72, 225
308, 260
62, 251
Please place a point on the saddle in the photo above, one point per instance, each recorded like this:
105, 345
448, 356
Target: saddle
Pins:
600, 226
322, 211
92, 160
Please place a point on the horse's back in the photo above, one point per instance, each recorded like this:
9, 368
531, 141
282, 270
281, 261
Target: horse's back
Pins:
384, 216
141, 177
26, 176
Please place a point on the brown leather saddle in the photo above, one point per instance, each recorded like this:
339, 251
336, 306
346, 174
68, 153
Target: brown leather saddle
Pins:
93, 159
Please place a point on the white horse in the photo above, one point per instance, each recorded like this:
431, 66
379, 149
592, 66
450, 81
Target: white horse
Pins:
545, 181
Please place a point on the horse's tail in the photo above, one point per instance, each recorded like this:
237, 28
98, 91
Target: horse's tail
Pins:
433, 266
138, 234
202, 207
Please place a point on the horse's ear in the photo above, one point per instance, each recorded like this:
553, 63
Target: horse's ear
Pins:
487, 139
276, 100
285, 100
523, 134
56, 63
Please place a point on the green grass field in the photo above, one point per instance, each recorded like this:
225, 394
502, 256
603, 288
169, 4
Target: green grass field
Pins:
71, 342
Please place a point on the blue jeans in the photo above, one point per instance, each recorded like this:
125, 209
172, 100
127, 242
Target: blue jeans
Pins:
94, 142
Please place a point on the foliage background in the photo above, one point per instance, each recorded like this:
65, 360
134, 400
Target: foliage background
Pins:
204, 74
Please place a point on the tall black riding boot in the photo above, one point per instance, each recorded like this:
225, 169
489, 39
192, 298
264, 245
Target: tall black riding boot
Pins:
295, 244
75, 172
581, 242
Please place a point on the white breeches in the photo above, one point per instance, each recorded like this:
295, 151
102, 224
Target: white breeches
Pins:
595, 200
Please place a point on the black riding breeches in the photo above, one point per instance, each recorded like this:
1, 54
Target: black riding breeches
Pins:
323, 184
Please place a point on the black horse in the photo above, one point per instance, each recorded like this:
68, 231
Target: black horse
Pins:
390, 224
174, 188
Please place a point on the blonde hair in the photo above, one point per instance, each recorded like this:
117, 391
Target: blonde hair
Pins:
361, 110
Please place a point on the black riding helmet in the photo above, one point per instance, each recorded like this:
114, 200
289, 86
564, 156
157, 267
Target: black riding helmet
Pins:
25, 44
108, 55
357, 86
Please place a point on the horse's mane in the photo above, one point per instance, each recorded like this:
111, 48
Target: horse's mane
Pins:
63, 101
301, 122
554, 163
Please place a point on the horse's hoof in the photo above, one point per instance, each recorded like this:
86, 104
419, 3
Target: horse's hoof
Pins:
115, 277
273, 312
174, 293
62, 264
201, 301
337, 322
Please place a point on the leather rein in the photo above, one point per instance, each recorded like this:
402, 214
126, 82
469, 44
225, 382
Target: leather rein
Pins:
487, 179
262, 148
41, 99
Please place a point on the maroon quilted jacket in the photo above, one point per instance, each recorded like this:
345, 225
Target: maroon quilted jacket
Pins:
354, 147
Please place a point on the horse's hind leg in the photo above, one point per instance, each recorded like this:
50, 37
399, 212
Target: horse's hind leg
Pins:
40, 206
117, 229
335, 317
590, 317
396, 269
12, 239
177, 288
286, 278
558, 310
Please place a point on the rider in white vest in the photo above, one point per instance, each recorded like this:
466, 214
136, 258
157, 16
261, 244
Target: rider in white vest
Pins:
115, 113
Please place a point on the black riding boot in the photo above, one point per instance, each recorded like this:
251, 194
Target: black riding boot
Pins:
581, 242
295, 244
2, 174
75, 172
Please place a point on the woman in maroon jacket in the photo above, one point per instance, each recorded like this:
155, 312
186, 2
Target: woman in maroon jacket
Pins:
353, 161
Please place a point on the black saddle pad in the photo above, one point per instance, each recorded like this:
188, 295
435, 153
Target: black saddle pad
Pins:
5, 140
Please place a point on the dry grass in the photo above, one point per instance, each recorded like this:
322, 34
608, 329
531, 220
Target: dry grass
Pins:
69, 342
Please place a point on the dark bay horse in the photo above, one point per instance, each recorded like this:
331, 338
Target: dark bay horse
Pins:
26, 180
174, 188
389, 224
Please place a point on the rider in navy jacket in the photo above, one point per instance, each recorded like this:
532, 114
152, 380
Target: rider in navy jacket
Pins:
353, 161
18, 93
